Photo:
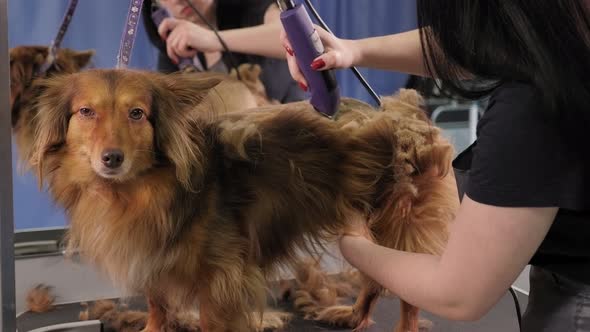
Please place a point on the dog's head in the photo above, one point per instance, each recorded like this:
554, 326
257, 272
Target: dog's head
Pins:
25, 65
116, 124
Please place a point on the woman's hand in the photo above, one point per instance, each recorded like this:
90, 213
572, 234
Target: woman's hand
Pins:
357, 227
184, 39
339, 53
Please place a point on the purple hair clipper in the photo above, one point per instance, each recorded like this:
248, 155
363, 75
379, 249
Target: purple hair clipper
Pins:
306, 43
158, 16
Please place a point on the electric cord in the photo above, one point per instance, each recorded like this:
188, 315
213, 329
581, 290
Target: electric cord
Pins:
358, 75
221, 41
517, 307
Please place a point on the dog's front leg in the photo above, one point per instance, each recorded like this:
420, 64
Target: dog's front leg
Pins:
357, 316
156, 321
221, 317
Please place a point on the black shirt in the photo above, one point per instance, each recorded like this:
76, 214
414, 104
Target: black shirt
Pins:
522, 159
233, 14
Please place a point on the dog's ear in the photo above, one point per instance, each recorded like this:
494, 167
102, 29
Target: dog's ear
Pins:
71, 61
40, 55
81, 59
52, 120
177, 100
191, 89
24, 60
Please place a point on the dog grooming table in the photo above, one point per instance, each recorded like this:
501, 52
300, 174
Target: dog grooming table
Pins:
39, 260
502, 318
74, 283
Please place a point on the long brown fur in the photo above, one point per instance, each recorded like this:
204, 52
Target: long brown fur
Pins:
207, 204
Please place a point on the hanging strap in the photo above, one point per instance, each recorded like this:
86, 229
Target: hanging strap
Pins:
56, 42
129, 33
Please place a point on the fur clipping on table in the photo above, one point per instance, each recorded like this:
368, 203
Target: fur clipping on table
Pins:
40, 298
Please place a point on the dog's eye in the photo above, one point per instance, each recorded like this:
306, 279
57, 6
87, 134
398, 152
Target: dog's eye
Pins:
85, 111
136, 114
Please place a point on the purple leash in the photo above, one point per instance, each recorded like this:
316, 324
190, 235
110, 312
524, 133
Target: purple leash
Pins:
56, 43
129, 33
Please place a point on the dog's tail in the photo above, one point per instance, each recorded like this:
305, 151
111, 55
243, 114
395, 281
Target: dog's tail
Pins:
415, 196
402, 173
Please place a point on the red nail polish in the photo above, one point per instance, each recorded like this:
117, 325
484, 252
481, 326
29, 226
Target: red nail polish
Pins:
317, 64
303, 86
290, 51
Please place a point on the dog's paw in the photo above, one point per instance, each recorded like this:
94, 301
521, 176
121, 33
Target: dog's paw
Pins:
304, 302
343, 316
188, 321
363, 325
272, 321
424, 325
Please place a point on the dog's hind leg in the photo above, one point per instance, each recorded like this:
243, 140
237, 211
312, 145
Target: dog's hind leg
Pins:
357, 316
410, 321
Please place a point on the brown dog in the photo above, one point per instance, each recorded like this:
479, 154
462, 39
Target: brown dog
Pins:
184, 202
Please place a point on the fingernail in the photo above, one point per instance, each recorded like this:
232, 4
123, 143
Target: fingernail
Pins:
317, 64
290, 51
303, 86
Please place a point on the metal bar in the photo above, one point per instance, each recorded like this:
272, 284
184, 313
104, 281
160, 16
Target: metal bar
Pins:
7, 284
85, 326
473, 117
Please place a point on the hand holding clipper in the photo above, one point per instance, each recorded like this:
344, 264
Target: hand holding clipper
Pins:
306, 43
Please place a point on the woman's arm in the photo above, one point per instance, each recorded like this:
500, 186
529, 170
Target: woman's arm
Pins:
488, 248
400, 52
258, 40
184, 38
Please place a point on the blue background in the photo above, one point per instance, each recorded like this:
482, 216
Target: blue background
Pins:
98, 25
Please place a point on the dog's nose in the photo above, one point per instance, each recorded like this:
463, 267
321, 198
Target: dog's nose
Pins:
112, 158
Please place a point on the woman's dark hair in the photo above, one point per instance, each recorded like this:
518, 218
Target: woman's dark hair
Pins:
543, 42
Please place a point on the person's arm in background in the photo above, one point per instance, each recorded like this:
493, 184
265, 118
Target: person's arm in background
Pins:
487, 249
186, 38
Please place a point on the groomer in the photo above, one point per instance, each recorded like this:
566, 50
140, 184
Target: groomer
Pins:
526, 178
